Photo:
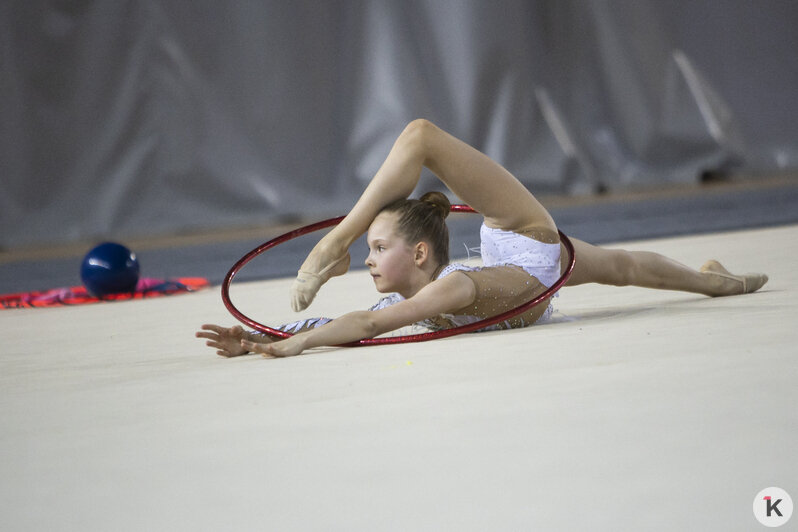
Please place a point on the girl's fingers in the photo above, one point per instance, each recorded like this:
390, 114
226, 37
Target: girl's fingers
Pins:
274, 351
262, 349
268, 352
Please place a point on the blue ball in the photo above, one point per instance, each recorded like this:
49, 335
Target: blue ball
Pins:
109, 268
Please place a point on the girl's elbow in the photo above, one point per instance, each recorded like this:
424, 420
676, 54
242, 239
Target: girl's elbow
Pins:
369, 326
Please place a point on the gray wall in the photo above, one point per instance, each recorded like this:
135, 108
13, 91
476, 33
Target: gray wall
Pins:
128, 118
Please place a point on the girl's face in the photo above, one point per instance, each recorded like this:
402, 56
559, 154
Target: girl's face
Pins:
391, 259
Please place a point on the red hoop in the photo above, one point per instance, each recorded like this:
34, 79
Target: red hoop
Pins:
471, 327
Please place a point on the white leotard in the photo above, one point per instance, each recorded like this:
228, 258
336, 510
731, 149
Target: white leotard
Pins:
500, 286
538, 259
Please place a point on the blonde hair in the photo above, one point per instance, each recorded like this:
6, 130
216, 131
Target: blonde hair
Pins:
424, 220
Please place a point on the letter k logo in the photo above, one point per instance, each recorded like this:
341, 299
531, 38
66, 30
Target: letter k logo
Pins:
772, 506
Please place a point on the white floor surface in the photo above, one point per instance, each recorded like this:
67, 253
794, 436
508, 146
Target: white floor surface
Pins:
637, 410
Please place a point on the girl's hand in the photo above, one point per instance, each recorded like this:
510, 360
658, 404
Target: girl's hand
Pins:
283, 348
226, 341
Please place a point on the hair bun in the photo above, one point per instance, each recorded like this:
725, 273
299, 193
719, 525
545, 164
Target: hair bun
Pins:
439, 201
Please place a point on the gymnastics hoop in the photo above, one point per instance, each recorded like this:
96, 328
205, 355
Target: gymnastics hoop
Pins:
423, 337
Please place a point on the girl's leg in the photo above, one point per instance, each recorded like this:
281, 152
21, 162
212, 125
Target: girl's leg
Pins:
651, 270
396, 179
472, 176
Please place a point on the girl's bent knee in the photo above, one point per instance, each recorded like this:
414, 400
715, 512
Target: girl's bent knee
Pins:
622, 272
419, 125
416, 135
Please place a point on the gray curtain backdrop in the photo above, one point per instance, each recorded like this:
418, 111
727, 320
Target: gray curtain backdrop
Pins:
128, 118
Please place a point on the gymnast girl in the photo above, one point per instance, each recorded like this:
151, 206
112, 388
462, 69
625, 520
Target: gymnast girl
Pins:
409, 257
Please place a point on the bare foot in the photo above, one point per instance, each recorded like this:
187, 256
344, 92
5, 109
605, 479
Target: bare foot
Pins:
729, 284
317, 269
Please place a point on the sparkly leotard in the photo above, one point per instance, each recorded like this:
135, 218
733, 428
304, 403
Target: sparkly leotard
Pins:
516, 269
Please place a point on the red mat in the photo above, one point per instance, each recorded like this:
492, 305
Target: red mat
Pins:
77, 295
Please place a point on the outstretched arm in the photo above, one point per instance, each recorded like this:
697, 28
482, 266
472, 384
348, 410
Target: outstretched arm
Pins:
453, 292
227, 340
